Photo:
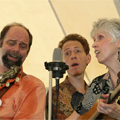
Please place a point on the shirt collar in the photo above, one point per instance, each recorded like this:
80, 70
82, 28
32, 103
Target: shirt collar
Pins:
19, 77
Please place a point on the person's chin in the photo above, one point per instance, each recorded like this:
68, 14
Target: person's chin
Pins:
75, 73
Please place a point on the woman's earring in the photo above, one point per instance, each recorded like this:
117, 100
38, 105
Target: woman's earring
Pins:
118, 55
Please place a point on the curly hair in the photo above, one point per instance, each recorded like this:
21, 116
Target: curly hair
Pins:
75, 37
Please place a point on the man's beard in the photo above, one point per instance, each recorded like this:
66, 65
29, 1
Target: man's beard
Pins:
8, 63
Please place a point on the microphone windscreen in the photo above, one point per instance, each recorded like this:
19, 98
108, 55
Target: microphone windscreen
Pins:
57, 55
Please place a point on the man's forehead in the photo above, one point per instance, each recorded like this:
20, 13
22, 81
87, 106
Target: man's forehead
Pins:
17, 33
73, 44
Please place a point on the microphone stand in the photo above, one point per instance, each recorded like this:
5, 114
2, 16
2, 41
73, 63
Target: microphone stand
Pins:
57, 91
57, 69
50, 95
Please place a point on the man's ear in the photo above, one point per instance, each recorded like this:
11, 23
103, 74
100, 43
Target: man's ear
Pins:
88, 58
0, 43
118, 42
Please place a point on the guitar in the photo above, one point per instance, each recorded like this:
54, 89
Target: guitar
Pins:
93, 114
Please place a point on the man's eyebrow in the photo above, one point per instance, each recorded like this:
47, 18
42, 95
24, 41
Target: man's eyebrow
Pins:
11, 40
69, 48
76, 47
16, 41
66, 49
23, 43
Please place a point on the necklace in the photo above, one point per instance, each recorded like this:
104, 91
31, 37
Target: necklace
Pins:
12, 75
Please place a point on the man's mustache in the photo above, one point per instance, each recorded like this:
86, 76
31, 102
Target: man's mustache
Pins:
14, 54
8, 63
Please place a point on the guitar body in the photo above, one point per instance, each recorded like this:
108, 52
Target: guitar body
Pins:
104, 117
100, 117
93, 114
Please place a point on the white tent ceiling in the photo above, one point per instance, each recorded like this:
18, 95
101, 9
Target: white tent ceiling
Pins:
49, 21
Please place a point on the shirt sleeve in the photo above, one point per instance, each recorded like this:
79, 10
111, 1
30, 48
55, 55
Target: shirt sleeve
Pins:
93, 93
33, 106
59, 114
77, 97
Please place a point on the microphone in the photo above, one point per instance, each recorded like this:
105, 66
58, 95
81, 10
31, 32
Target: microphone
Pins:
57, 55
57, 67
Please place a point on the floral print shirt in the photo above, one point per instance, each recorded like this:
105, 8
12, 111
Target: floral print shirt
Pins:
64, 109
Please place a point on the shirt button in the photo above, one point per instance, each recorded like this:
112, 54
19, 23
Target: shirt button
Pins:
17, 79
7, 84
0, 102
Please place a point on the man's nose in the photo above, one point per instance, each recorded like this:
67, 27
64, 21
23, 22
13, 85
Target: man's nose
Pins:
16, 48
73, 55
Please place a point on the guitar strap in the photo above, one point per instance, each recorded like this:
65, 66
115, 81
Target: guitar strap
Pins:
5, 89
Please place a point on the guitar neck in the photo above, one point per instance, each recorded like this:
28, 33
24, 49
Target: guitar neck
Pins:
114, 94
93, 114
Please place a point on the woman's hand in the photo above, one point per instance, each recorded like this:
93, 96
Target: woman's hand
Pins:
112, 110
